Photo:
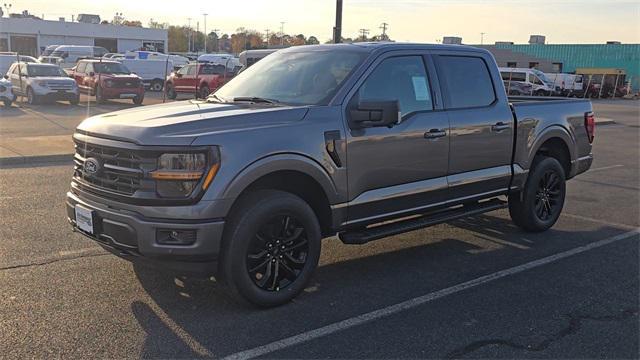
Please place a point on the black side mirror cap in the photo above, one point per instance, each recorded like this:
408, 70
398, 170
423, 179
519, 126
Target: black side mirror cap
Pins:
6, 77
376, 113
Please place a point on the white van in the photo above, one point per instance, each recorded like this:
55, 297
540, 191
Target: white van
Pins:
570, 84
72, 53
152, 71
7, 59
231, 62
250, 57
541, 86
177, 60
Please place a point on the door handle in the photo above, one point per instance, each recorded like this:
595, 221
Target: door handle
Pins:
434, 134
500, 126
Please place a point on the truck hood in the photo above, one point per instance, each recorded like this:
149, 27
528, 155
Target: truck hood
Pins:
180, 123
53, 79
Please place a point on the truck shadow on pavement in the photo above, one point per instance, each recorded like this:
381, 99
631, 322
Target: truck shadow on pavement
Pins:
195, 317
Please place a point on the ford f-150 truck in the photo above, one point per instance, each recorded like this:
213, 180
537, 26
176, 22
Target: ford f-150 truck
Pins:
108, 80
199, 79
360, 140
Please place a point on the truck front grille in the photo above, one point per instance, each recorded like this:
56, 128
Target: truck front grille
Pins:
126, 83
115, 170
60, 85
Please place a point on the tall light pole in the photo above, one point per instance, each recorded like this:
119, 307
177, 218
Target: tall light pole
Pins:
282, 33
189, 36
337, 30
482, 38
205, 32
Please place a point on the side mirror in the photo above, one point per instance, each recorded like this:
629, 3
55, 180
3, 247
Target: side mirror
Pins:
6, 77
178, 75
376, 113
92, 74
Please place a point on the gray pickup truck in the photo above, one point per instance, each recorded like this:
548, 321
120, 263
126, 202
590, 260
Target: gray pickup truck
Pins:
359, 140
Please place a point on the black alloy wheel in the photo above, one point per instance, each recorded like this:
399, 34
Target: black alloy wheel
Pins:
547, 201
278, 253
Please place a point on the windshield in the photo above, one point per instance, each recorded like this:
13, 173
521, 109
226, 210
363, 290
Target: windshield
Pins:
543, 77
297, 78
110, 68
35, 71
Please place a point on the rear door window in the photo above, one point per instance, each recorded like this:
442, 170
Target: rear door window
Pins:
468, 81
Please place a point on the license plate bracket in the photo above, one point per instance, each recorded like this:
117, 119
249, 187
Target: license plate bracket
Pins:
85, 219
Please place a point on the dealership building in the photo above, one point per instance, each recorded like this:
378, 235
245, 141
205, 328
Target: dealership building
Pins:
29, 36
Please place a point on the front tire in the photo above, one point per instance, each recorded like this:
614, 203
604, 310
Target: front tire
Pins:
75, 100
7, 103
138, 99
538, 206
204, 91
171, 92
271, 248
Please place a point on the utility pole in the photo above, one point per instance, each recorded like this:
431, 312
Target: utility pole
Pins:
267, 31
364, 33
215, 31
205, 32
189, 35
282, 33
337, 30
384, 30
482, 38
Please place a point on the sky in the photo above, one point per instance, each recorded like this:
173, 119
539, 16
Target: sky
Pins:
427, 21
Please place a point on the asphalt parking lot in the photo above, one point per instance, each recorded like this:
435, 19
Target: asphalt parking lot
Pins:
474, 288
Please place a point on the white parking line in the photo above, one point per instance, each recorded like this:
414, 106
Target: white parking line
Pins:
421, 300
605, 168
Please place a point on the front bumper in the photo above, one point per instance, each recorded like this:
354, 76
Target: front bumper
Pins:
133, 237
122, 93
56, 95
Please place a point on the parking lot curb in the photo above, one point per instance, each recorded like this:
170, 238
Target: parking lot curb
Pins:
37, 159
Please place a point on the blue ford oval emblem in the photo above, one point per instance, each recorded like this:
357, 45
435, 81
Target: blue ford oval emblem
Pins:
91, 166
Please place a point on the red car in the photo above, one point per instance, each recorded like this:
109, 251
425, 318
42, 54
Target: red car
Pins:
199, 79
108, 80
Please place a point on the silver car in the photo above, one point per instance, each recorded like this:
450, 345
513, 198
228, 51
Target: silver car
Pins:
40, 82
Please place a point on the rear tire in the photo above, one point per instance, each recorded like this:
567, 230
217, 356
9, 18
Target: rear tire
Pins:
75, 100
32, 98
271, 248
538, 206
99, 96
156, 85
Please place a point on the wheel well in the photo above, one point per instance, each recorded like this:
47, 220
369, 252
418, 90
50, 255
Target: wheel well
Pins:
557, 149
301, 185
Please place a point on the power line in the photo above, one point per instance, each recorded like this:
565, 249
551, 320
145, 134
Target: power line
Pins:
384, 30
364, 33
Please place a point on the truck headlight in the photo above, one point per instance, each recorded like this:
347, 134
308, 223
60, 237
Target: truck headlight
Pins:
178, 174
42, 83
108, 83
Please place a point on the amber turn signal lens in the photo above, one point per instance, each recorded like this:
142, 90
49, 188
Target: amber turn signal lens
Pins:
210, 175
176, 175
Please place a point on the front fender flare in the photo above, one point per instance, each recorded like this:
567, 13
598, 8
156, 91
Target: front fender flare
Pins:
281, 162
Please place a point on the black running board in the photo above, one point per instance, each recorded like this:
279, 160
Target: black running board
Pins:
365, 235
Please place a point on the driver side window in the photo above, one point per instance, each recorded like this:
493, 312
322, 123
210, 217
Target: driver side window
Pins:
399, 78
186, 70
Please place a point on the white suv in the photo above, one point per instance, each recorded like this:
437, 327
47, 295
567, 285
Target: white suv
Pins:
43, 82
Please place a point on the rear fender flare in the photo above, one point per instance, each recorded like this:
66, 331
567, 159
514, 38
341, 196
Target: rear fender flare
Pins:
553, 131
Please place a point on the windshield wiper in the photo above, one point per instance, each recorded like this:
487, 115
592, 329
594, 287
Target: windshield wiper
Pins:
255, 99
216, 98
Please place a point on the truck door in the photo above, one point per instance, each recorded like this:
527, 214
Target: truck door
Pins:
185, 78
481, 125
392, 169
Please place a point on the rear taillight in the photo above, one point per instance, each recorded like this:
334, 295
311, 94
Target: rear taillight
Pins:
590, 126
